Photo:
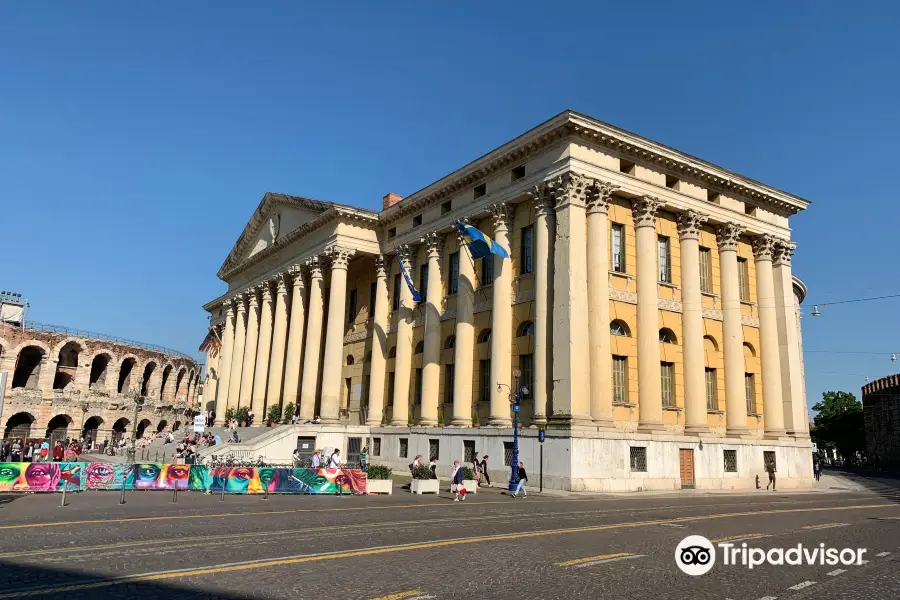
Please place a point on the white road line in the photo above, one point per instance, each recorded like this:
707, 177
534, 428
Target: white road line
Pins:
423, 597
882, 554
836, 572
769, 598
800, 586
607, 560
829, 526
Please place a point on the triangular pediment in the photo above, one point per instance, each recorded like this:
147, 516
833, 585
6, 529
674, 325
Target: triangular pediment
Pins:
276, 216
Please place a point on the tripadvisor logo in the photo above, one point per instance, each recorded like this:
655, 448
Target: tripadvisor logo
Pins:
695, 555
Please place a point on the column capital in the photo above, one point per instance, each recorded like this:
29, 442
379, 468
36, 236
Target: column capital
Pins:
543, 202
598, 196
569, 189
340, 256
434, 245
689, 224
459, 237
380, 266
229, 307
644, 211
501, 216
784, 250
281, 283
406, 255
728, 236
240, 301
764, 247
314, 264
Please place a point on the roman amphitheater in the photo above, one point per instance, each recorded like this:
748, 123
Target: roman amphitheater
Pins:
69, 383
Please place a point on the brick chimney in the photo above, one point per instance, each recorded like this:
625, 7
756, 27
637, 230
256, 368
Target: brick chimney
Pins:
389, 200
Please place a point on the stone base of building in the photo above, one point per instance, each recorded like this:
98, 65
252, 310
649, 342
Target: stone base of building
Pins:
582, 461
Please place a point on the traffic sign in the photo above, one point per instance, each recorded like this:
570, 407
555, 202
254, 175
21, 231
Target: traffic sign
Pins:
199, 423
541, 436
515, 408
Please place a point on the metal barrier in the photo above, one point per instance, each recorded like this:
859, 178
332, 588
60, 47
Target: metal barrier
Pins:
34, 326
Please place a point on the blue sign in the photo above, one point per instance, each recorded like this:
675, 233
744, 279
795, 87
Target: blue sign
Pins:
541, 436
515, 408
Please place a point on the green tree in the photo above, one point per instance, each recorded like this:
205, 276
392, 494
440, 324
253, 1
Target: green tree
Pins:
274, 414
839, 424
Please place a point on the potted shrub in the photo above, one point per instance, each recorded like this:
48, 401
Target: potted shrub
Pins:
288, 412
469, 480
378, 480
422, 483
229, 415
274, 415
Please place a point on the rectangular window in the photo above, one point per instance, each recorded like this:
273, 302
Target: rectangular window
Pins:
712, 402
668, 383
731, 461
480, 190
664, 252
395, 301
372, 291
769, 457
527, 265
417, 220
404, 448
354, 445
526, 365
392, 232
453, 283
507, 453
445, 207
744, 279
434, 449
376, 446
418, 386
750, 392
391, 379
518, 173
638, 456
485, 380
449, 376
617, 247
468, 451
620, 379
487, 270
351, 306
705, 271
423, 281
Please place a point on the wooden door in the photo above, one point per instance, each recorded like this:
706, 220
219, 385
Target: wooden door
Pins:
686, 458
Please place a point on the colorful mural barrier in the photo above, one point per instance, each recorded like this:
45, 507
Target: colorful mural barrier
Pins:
78, 476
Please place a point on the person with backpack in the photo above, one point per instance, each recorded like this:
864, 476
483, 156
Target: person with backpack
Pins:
522, 477
334, 461
457, 478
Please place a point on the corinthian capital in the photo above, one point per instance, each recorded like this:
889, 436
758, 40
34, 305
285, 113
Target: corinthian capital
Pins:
406, 256
598, 196
229, 307
543, 202
380, 266
784, 250
569, 189
314, 264
340, 256
434, 245
728, 236
501, 216
240, 301
764, 247
644, 211
689, 224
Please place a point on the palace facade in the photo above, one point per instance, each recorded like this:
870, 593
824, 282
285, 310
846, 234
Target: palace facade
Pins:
647, 315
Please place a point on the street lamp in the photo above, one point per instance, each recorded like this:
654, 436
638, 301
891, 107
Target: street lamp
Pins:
138, 401
515, 399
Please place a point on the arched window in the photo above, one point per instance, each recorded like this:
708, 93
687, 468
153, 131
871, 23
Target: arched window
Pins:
667, 336
526, 328
98, 370
748, 347
392, 353
618, 327
350, 360
420, 348
484, 336
28, 367
450, 342
19, 426
710, 343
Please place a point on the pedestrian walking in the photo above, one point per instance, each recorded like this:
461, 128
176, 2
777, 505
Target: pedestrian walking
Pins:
476, 468
817, 467
484, 470
433, 466
522, 477
417, 462
334, 461
770, 469
457, 478
316, 461
364, 459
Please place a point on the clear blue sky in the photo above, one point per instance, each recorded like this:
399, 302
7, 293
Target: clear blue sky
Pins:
136, 140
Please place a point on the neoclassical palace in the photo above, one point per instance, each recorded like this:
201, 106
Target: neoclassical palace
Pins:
67, 383
647, 315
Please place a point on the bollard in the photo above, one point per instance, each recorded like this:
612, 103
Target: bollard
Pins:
124, 479
222, 499
266, 495
175, 493
156, 456
63, 503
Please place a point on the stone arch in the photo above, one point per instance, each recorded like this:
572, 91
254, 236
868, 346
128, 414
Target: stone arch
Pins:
176, 426
484, 336
19, 425
99, 369
620, 328
67, 357
166, 374
710, 343
29, 364
126, 367
161, 425
525, 329
91, 428
142, 427
58, 428
450, 342
149, 368
80, 342
748, 347
667, 336
119, 428
179, 380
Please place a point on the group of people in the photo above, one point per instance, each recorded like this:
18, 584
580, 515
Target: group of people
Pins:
479, 470
19, 450
334, 460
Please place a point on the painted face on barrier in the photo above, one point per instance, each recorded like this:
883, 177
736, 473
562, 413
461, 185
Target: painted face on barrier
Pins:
147, 476
9, 474
266, 475
42, 476
177, 475
238, 480
99, 475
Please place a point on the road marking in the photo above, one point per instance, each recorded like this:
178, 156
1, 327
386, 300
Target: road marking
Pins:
800, 586
305, 558
882, 554
608, 560
578, 561
673, 525
401, 595
745, 536
769, 598
825, 526
836, 572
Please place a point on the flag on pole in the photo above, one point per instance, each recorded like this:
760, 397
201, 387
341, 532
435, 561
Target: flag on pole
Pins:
415, 293
479, 244
211, 343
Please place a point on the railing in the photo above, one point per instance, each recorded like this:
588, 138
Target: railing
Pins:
34, 326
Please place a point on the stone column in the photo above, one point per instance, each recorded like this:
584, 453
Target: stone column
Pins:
543, 267
571, 344
213, 372
379, 345
221, 397
727, 237
773, 410
598, 303
464, 348
295, 339
279, 335
334, 335
649, 388
313, 340
237, 356
431, 359
250, 350
403, 361
695, 421
261, 374
501, 321
795, 421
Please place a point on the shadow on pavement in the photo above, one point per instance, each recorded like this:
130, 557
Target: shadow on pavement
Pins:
884, 485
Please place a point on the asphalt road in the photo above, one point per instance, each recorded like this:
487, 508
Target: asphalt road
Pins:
405, 547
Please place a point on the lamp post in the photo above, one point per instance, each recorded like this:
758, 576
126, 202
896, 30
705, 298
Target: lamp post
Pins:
138, 401
515, 399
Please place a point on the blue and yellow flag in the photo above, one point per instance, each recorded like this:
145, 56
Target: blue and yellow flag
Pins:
415, 293
479, 244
